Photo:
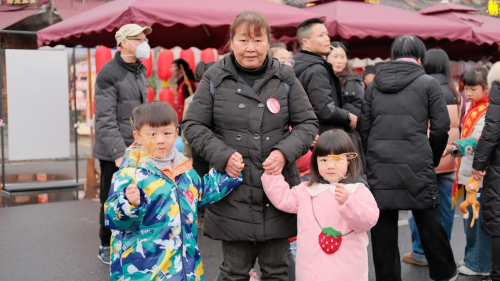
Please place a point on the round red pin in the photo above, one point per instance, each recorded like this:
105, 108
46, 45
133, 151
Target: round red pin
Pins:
273, 105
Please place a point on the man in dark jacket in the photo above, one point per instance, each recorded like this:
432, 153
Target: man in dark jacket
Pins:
120, 87
487, 163
399, 106
318, 79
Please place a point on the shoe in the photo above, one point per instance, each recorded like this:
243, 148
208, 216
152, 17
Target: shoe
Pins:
487, 279
409, 259
104, 253
461, 263
466, 271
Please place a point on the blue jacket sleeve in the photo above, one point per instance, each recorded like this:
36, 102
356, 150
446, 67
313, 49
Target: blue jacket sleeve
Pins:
214, 186
119, 213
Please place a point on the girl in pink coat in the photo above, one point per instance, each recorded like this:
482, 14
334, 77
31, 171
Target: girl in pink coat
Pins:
333, 212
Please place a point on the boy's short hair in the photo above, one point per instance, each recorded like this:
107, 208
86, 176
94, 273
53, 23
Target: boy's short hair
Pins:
304, 29
154, 114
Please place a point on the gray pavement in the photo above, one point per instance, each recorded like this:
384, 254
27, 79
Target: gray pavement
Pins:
59, 241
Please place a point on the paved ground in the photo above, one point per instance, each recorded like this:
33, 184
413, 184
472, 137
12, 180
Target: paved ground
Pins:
59, 241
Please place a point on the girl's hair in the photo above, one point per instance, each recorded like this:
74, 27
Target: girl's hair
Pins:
408, 46
155, 114
336, 142
476, 76
185, 65
347, 70
437, 62
255, 23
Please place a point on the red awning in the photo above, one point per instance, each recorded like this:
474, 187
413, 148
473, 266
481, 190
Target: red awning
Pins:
200, 23
8, 18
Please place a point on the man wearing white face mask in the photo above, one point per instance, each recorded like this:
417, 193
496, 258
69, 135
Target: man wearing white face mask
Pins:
121, 85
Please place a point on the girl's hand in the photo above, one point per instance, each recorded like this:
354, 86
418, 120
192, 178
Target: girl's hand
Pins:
447, 151
478, 174
341, 194
274, 163
133, 195
315, 140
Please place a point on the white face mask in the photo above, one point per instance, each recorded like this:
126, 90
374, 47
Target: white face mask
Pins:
142, 51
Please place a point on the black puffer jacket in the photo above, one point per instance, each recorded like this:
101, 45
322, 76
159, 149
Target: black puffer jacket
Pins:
353, 94
487, 157
400, 158
239, 120
323, 88
119, 88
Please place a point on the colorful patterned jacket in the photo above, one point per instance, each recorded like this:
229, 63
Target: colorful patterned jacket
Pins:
158, 240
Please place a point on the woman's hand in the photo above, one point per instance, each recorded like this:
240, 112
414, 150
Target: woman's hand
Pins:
274, 163
478, 174
341, 194
315, 140
234, 165
133, 195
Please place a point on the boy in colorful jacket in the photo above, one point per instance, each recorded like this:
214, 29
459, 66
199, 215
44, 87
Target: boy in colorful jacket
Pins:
151, 210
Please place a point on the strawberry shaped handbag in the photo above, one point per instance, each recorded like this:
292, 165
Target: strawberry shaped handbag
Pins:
329, 239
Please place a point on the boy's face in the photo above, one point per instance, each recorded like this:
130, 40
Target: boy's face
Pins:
475, 93
162, 137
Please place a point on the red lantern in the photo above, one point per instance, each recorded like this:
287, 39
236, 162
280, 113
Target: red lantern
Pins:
164, 64
151, 94
148, 63
188, 56
167, 95
102, 56
207, 55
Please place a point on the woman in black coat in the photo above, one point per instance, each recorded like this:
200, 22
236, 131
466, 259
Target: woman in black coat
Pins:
399, 106
487, 163
239, 122
352, 89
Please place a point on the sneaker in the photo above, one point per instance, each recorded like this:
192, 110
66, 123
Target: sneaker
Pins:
487, 279
104, 253
409, 259
461, 263
466, 271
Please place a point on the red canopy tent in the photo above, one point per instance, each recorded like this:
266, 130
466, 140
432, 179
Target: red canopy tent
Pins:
368, 30
201, 23
485, 29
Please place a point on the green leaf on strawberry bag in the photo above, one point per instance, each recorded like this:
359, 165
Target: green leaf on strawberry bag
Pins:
330, 231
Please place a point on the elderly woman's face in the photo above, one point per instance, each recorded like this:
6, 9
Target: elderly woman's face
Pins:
249, 50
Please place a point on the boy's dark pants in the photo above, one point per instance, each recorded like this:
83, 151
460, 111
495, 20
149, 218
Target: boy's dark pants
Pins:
495, 253
434, 241
272, 257
108, 168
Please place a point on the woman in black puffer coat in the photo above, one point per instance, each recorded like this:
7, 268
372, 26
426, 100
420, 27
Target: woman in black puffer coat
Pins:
487, 159
399, 106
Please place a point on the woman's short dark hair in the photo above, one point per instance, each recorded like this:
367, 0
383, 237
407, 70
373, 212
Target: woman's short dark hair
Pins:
408, 46
476, 76
336, 142
155, 114
437, 62
254, 22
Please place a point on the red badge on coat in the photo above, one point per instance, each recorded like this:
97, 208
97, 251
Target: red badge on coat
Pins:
189, 197
273, 105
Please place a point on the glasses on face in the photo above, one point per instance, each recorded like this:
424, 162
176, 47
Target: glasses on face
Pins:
336, 159
142, 40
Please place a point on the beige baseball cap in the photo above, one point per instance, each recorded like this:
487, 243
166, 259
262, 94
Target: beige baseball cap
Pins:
131, 29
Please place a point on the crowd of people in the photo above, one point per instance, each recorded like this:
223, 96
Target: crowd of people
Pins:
296, 159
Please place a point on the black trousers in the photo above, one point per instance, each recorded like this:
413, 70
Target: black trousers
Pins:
495, 254
434, 241
239, 258
108, 168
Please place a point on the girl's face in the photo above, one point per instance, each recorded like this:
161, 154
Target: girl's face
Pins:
176, 71
476, 93
249, 50
163, 138
333, 167
338, 59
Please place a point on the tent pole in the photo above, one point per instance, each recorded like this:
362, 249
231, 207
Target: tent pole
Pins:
75, 112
